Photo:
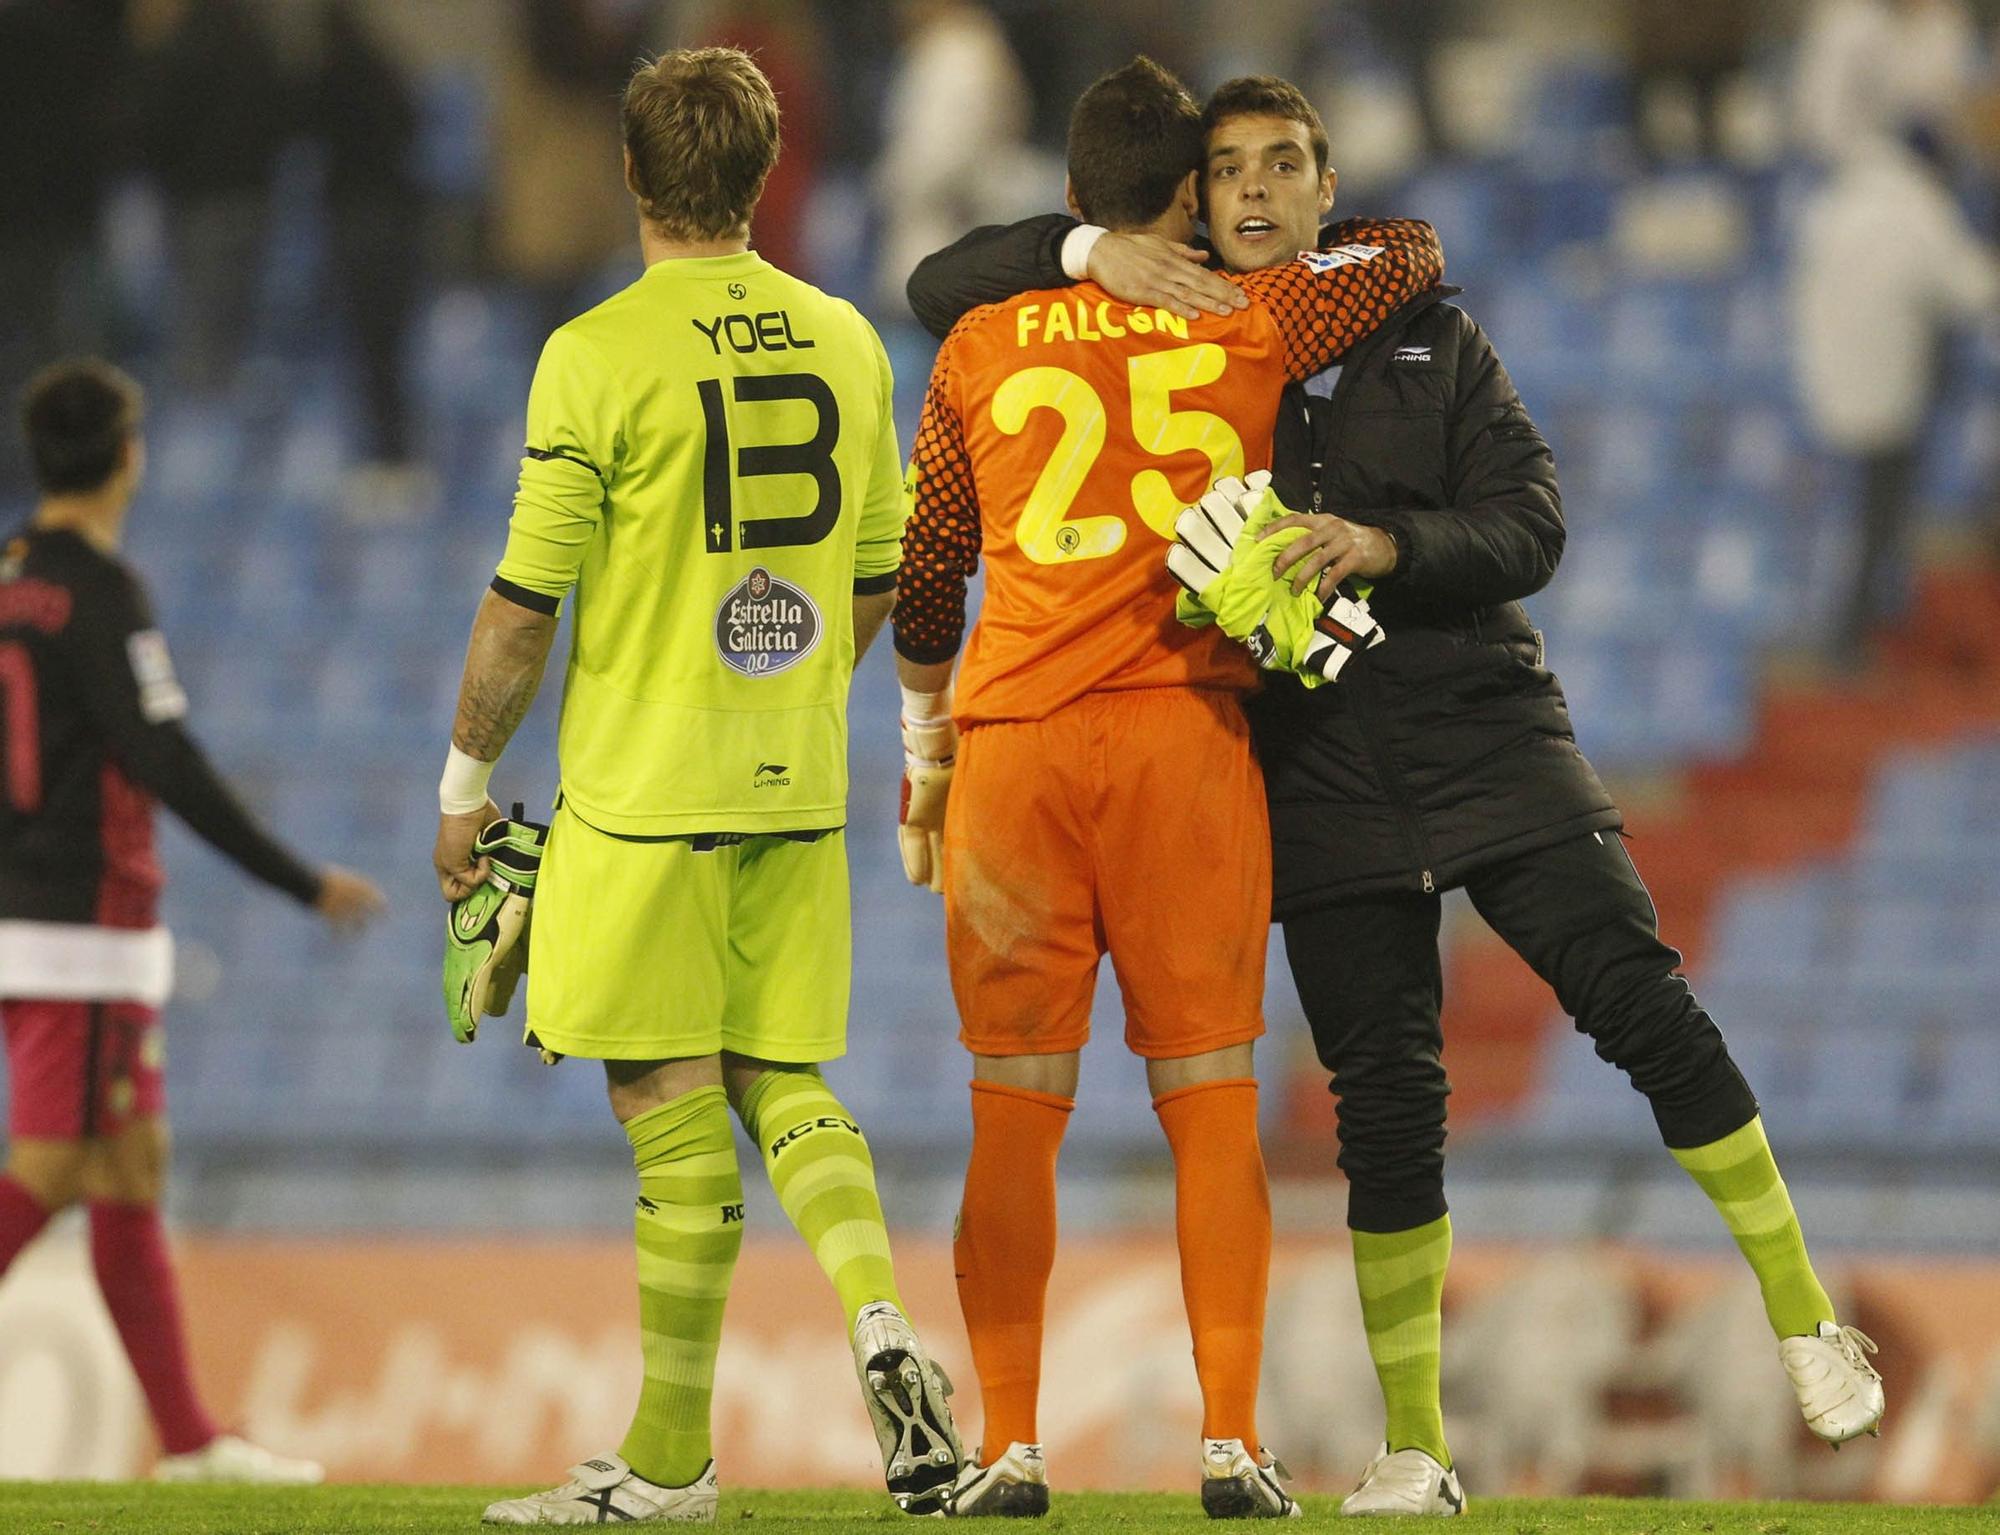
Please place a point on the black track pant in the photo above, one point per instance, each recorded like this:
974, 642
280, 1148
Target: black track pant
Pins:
1372, 984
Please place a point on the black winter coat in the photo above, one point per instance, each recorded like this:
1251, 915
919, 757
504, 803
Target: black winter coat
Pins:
1447, 747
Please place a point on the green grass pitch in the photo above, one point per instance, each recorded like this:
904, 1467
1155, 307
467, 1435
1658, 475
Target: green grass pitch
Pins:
81, 1508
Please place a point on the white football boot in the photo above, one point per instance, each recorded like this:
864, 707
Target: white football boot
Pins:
1238, 1485
604, 1490
906, 1392
226, 1458
1012, 1486
1839, 1391
1408, 1484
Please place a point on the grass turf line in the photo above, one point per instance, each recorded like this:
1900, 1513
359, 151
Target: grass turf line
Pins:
141, 1508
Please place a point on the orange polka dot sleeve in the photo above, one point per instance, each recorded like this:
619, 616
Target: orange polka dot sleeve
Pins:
941, 537
1328, 301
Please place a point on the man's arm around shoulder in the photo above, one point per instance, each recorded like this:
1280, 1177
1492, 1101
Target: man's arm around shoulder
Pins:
998, 261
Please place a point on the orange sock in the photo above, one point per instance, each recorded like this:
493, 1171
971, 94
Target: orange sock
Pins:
1222, 1217
1005, 1247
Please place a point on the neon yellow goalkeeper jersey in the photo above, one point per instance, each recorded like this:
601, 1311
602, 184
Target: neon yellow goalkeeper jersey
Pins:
712, 466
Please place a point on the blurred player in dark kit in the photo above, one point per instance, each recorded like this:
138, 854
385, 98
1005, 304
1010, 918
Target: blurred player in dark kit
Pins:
91, 735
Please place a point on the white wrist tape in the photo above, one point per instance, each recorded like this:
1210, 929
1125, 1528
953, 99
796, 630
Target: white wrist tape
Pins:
462, 790
929, 738
927, 708
1076, 250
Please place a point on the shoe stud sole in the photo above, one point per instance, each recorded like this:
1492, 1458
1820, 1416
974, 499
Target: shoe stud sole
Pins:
1013, 1500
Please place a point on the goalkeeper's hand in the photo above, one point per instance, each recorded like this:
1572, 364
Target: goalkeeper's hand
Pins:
486, 932
930, 748
1225, 551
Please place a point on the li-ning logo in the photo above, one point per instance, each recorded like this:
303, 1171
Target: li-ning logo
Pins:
1412, 354
765, 625
771, 775
826, 1122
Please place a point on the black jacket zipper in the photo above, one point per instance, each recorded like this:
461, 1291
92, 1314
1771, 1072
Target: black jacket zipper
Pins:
1368, 712
1367, 698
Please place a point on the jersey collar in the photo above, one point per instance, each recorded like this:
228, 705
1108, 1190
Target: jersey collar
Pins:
740, 264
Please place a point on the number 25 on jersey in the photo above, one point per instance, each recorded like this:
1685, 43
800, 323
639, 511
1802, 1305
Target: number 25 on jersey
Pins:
1046, 532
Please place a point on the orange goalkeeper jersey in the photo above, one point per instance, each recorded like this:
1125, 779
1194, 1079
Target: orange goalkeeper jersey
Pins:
1062, 434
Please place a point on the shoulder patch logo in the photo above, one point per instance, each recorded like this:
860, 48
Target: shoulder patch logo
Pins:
765, 625
1340, 256
1412, 354
160, 695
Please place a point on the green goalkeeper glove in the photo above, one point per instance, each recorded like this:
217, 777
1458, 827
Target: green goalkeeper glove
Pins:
486, 934
1226, 570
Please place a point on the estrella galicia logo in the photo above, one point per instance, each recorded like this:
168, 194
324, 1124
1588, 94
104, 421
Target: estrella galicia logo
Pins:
765, 625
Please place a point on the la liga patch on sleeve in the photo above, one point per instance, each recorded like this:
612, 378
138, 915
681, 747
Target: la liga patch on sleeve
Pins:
1340, 256
160, 695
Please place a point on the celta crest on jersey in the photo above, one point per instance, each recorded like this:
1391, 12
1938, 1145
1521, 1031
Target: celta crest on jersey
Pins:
765, 625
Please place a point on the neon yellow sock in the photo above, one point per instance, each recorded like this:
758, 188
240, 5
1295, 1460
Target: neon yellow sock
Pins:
824, 1177
689, 1226
1401, 1278
1739, 1175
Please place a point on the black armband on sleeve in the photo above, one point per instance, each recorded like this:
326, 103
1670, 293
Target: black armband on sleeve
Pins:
876, 586
521, 597
988, 266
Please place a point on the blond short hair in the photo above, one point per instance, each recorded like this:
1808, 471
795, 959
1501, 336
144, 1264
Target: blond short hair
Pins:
702, 128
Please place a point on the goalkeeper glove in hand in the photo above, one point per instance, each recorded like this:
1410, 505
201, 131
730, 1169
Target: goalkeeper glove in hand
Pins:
486, 934
1226, 568
930, 748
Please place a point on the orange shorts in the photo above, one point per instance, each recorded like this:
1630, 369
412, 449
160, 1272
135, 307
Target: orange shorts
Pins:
1131, 823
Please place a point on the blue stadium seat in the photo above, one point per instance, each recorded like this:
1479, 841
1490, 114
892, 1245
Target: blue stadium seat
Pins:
1664, 335
1580, 1100
452, 131
1960, 462
1478, 223
1854, 1076
1967, 1110
1546, 331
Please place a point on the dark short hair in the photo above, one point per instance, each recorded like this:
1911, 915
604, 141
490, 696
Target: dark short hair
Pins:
1266, 96
1133, 138
77, 416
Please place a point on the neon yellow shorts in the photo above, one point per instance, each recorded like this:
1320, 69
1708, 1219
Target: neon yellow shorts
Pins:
651, 950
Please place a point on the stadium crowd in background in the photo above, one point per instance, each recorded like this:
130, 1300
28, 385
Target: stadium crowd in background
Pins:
198, 107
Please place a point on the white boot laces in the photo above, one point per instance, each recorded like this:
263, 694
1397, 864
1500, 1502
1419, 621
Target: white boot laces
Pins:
1854, 1346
